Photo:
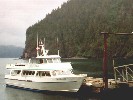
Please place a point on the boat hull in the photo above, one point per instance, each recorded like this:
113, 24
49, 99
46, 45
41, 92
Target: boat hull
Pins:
72, 86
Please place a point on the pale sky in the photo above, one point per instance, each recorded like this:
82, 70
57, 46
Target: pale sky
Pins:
17, 15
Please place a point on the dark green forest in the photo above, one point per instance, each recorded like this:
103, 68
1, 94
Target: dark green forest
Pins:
77, 25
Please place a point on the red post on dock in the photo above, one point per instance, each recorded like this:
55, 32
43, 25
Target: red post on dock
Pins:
105, 68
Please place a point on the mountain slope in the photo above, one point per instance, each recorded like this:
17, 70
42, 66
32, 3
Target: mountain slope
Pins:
78, 23
10, 51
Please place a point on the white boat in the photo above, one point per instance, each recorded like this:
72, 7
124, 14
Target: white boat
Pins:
45, 72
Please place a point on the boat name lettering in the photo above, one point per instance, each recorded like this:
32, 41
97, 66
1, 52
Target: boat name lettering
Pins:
61, 78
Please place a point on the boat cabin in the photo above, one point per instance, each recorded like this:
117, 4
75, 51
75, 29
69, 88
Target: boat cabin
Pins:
45, 60
49, 60
39, 73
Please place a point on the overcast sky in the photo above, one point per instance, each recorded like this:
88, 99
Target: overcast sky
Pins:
17, 15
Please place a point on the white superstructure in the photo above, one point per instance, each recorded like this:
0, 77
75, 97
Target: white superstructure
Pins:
45, 72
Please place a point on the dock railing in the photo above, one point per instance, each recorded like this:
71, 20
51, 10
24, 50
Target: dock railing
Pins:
123, 73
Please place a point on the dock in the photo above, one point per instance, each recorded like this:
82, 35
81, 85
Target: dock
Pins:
98, 83
93, 89
119, 88
123, 76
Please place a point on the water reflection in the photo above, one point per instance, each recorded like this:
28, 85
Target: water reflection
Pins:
17, 94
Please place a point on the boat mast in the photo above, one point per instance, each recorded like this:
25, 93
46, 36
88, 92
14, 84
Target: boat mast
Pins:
58, 45
37, 46
44, 43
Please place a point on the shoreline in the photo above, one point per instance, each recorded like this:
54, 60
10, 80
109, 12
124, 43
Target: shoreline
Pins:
75, 58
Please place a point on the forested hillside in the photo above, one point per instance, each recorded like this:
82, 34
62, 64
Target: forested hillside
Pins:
77, 25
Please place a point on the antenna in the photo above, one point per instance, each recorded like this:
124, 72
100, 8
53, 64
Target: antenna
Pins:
37, 46
37, 39
58, 45
44, 43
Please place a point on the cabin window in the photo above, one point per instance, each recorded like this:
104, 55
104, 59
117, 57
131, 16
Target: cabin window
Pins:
15, 72
44, 60
41, 61
49, 61
58, 60
33, 72
38, 73
48, 74
18, 72
43, 73
28, 72
55, 60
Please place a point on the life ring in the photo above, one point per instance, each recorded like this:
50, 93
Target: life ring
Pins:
54, 72
84, 81
71, 71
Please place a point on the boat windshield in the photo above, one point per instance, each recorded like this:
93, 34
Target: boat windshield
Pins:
53, 60
49, 60
43, 61
56, 60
